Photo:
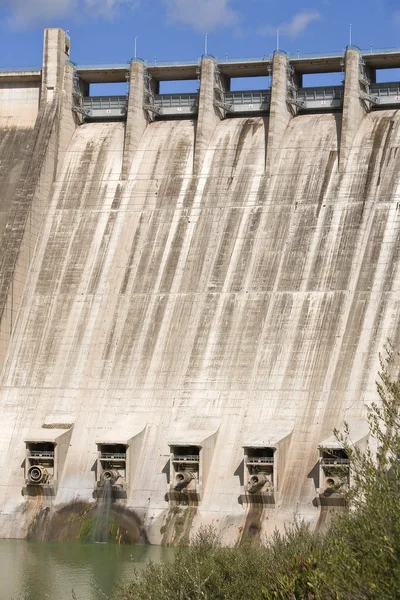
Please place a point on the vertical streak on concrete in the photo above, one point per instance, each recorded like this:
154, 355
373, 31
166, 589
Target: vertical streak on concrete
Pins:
280, 111
353, 107
136, 121
32, 195
209, 115
68, 120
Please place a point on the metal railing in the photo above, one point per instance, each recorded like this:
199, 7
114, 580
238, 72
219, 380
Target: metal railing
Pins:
321, 93
174, 63
227, 60
105, 106
224, 60
19, 69
41, 454
254, 460
112, 456
171, 105
335, 461
186, 458
102, 67
247, 101
248, 97
380, 51
386, 93
389, 88
338, 53
176, 100
320, 98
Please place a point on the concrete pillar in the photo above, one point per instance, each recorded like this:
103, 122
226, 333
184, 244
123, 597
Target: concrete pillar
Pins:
56, 50
57, 85
54, 128
209, 114
280, 111
68, 119
354, 108
136, 120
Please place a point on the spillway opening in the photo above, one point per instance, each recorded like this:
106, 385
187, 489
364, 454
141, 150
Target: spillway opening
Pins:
334, 475
176, 99
185, 473
40, 466
320, 92
260, 467
248, 96
385, 88
106, 102
111, 469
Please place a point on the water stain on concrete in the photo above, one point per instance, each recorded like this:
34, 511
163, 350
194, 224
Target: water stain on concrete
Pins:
76, 522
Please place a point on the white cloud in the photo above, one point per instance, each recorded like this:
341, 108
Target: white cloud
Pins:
296, 26
202, 15
24, 13
109, 7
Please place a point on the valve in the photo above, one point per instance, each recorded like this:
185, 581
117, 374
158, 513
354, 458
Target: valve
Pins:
110, 475
37, 474
333, 484
256, 482
182, 479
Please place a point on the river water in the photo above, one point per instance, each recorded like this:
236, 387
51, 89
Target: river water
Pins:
52, 570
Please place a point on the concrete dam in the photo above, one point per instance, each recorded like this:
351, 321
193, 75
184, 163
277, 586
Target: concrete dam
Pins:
194, 290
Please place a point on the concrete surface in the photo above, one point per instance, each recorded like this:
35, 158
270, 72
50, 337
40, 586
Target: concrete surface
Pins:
179, 301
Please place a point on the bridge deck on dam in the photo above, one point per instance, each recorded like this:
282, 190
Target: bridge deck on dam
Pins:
307, 64
232, 67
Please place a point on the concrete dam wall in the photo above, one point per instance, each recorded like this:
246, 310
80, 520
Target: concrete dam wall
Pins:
193, 327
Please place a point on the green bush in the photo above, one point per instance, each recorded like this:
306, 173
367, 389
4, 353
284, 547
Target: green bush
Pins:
358, 558
208, 570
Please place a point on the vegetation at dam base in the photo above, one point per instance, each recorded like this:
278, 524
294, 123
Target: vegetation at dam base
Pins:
358, 557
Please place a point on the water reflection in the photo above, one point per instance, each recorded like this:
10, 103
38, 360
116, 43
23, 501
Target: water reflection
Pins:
51, 570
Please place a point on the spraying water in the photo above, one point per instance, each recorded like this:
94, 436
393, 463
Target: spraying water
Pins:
100, 530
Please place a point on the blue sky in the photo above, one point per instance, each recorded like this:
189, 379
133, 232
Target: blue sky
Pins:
103, 31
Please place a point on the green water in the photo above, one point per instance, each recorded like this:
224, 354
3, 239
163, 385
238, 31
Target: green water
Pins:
51, 570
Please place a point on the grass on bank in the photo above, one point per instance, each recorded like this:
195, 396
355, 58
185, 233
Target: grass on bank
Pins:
358, 558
